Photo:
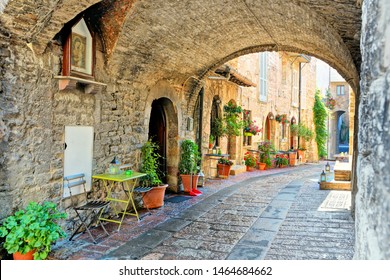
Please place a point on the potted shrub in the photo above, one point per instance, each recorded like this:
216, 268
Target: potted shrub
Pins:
250, 161
223, 167
281, 160
149, 165
30, 232
189, 166
266, 148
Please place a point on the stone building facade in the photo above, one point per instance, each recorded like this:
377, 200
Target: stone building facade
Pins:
142, 56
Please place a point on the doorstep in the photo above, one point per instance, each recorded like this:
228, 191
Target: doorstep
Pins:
237, 169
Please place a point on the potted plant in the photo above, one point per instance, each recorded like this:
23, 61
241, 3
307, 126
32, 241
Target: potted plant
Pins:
281, 118
211, 141
30, 232
149, 165
250, 161
281, 160
232, 118
189, 166
251, 129
266, 148
223, 167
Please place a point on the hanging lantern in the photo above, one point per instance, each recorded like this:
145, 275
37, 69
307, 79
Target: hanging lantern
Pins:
323, 176
327, 167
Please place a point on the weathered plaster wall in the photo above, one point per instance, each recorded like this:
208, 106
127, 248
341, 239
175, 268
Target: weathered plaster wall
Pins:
373, 192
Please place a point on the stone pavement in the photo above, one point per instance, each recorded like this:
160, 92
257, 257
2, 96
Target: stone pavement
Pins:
272, 214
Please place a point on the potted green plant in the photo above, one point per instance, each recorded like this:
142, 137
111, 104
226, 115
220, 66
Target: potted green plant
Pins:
303, 131
149, 165
250, 161
223, 167
281, 160
211, 141
266, 148
233, 120
30, 232
189, 166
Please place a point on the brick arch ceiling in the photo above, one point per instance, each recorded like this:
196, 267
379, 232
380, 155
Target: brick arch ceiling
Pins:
174, 40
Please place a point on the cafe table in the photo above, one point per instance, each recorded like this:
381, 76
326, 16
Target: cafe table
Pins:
127, 183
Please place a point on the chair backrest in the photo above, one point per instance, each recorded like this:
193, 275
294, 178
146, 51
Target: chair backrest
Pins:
73, 181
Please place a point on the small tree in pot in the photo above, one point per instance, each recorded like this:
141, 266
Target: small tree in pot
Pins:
149, 165
189, 166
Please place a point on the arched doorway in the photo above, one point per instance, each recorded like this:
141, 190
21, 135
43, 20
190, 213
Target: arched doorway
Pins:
215, 120
158, 133
267, 129
342, 133
163, 129
293, 136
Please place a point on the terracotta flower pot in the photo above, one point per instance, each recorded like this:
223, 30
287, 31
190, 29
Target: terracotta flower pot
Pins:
250, 168
186, 179
292, 158
262, 166
155, 197
27, 256
223, 170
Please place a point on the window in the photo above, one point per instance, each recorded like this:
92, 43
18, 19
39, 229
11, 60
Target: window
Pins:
340, 90
263, 80
283, 130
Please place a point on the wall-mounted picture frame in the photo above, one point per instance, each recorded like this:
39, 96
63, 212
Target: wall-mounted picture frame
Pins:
79, 52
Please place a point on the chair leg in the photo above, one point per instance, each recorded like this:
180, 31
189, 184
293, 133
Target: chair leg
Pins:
85, 225
100, 222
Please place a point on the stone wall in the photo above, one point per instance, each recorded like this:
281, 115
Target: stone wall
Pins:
373, 179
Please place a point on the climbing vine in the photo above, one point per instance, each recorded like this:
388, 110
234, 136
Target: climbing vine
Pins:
320, 114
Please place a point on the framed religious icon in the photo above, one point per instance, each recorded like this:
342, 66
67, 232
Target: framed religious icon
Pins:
79, 52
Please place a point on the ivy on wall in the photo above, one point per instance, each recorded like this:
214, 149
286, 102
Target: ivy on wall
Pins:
320, 114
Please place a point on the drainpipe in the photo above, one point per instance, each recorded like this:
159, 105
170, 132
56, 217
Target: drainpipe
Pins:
201, 101
299, 95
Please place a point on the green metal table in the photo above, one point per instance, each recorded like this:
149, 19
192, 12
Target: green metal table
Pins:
128, 182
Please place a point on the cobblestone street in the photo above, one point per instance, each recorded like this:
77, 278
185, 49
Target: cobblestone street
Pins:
273, 214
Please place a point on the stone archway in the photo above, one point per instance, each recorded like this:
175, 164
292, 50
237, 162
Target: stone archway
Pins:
334, 132
162, 103
163, 127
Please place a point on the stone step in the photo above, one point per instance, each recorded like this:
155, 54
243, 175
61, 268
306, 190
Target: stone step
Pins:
342, 175
237, 169
335, 185
342, 171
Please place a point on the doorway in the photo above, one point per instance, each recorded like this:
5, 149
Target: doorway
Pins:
158, 134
